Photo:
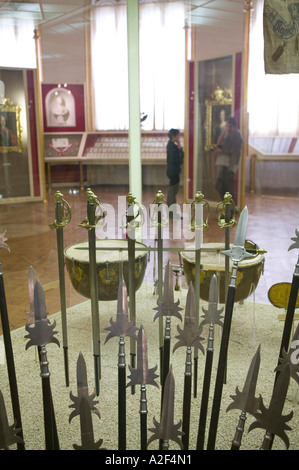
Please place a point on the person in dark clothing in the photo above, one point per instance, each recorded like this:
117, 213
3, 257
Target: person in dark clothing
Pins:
229, 145
175, 157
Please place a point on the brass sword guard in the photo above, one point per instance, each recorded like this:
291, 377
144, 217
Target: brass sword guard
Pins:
92, 200
67, 212
158, 201
199, 199
221, 212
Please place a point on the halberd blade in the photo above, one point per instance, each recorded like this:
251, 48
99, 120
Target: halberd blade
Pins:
295, 240
189, 335
8, 434
246, 400
87, 434
237, 253
82, 387
142, 374
290, 358
42, 332
167, 430
167, 307
271, 419
122, 326
212, 313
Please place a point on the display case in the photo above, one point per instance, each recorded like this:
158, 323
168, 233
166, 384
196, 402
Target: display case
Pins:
22, 175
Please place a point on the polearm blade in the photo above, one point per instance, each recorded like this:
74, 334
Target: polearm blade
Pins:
40, 334
62, 218
287, 358
190, 338
132, 224
9, 435
167, 308
144, 376
159, 201
166, 430
291, 305
212, 316
245, 400
198, 225
86, 427
237, 253
122, 327
271, 419
82, 387
9, 352
90, 224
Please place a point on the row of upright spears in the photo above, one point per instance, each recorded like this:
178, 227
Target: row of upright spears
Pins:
40, 332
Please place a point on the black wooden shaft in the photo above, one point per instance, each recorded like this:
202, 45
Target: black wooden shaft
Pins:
204, 401
122, 438
186, 411
221, 370
10, 361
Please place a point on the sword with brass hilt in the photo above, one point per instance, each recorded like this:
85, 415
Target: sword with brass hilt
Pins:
237, 253
189, 337
212, 316
9, 352
121, 327
41, 333
62, 218
226, 220
131, 226
90, 223
157, 220
199, 222
143, 376
245, 400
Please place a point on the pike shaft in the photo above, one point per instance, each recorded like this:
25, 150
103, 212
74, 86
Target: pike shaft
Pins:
10, 360
187, 399
222, 359
122, 439
236, 443
143, 418
197, 302
205, 392
131, 261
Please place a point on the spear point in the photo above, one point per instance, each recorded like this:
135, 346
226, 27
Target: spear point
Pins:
245, 400
166, 429
189, 336
8, 434
142, 374
271, 419
87, 429
42, 332
122, 326
82, 387
295, 240
212, 315
167, 307
287, 358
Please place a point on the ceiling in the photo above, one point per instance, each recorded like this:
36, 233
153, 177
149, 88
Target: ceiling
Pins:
213, 13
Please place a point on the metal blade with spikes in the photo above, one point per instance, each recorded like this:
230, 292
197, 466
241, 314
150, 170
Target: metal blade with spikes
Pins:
166, 430
122, 326
87, 434
189, 336
287, 358
237, 253
246, 400
167, 307
212, 315
8, 434
271, 419
82, 387
142, 375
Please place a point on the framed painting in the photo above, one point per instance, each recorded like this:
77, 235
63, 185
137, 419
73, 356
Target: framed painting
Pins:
218, 109
10, 127
63, 108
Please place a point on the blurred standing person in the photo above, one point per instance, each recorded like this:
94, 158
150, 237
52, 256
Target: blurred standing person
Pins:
175, 158
229, 146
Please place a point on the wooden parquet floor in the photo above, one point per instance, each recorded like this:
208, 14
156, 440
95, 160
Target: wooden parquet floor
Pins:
272, 223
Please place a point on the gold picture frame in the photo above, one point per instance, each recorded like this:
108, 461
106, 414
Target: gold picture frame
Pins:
218, 109
11, 131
